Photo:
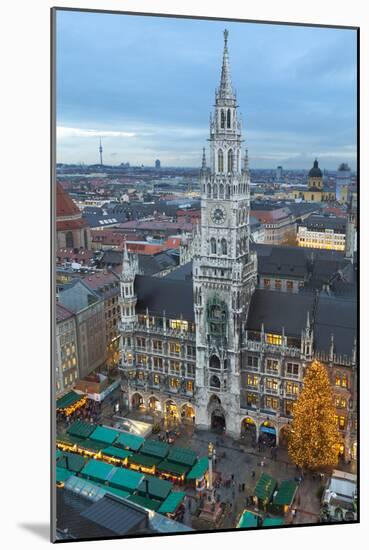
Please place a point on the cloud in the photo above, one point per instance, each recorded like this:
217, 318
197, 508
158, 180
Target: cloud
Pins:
67, 132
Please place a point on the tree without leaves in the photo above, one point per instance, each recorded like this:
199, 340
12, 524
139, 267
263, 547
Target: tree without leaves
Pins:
314, 439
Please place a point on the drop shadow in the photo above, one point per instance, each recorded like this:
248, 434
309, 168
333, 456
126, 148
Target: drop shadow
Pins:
42, 530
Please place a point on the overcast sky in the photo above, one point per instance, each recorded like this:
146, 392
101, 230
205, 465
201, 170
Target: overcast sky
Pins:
146, 86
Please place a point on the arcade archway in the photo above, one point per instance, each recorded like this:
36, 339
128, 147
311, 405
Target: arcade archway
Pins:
248, 430
187, 413
137, 401
268, 434
154, 405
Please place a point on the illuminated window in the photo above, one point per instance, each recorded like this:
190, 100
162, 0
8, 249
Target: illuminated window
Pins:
274, 339
342, 422
251, 399
344, 381
278, 284
289, 285
142, 359
289, 408
174, 348
189, 386
272, 384
156, 379
177, 324
291, 388
338, 379
271, 403
252, 380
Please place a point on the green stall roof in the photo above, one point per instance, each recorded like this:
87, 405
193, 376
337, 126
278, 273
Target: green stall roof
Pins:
130, 441
247, 520
126, 479
182, 455
172, 502
105, 435
155, 448
286, 493
172, 468
156, 487
98, 471
200, 468
91, 445
265, 487
68, 439
72, 462
62, 474
270, 522
144, 460
69, 399
116, 452
81, 429
145, 502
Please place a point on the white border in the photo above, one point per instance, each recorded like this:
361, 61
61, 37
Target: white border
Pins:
25, 262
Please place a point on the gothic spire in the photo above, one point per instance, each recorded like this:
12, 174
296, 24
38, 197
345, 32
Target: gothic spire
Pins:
225, 89
126, 263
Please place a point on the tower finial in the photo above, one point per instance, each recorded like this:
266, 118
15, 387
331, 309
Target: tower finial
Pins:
225, 36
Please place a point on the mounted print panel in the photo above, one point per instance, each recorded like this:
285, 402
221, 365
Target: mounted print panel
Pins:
205, 364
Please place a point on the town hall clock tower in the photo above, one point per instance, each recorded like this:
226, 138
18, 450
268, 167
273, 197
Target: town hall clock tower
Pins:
224, 270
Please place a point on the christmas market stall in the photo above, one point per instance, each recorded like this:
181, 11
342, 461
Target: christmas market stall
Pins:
172, 471
98, 471
248, 520
172, 503
71, 461
197, 476
264, 491
285, 497
125, 479
115, 455
129, 441
155, 488
70, 402
104, 435
143, 463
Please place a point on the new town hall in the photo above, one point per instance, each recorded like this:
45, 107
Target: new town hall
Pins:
212, 344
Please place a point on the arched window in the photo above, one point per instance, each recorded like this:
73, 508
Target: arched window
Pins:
220, 161
86, 238
229, 118
221, 191
209, 190
228, 191
215, 191
69, 242
213, 246
230, 160
222, 119
214, 362
214, 382
224, 247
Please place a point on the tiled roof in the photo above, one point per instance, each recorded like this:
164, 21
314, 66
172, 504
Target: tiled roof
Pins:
62, 313
64, 204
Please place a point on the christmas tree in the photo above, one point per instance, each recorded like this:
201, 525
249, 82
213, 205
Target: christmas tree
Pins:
314, 439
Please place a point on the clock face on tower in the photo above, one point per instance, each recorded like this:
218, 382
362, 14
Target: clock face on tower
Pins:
218, 215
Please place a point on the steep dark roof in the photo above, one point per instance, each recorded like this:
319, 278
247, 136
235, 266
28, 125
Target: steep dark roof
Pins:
335, 316
279, 309
284, 262
182, 273
151, 264
175, 297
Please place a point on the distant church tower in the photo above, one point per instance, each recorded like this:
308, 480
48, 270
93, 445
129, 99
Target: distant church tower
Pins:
224, 270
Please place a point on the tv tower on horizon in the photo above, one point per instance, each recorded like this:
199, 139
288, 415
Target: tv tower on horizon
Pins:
101, 152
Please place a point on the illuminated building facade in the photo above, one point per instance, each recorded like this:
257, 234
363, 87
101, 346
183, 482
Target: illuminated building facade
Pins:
322, 232
213, 348
66, 350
